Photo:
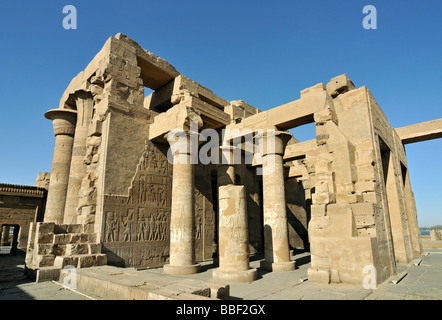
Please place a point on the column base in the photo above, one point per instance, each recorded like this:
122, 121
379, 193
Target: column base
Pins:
277, 266
235, 276
183, 269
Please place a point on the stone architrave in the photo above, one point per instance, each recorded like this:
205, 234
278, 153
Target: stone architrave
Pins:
63, 121
276, 243
233, 237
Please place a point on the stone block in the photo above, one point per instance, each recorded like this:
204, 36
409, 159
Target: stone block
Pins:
95, 128
321, 138
334, 276
319, 261
46, 260
317, 210
366, 173
91, 260
363, 209
325, 115
101, 259
47, 274
63, 261
318, 224
339, 85
68, 228
370, 197
323, 198
45, 227
235, 112
76, 249
347, 198
75, 238
89, 228
88, 210
342, 222
45, 238
219, 291
322, 166
63, 238
345, 187
319, 275
313, 90
365, 221
45, 249
59, 249
87, 261
91, 237
94, 248
365, 186
364, 157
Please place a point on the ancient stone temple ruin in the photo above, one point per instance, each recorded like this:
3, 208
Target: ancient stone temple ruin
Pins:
118, 195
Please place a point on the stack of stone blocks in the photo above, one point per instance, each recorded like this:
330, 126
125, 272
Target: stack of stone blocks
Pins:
52, 247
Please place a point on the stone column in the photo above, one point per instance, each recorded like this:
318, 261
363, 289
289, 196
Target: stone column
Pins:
4, 241
226, 167
85, 104
276, 243
233, 237
63, 121
182, 220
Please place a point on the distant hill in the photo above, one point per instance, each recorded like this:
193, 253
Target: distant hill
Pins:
438, 226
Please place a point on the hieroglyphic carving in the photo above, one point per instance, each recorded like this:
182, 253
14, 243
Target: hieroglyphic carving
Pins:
204, 226
141, 219
199, 213
153, 225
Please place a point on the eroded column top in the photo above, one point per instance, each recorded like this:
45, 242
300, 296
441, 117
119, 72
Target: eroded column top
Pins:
63, 120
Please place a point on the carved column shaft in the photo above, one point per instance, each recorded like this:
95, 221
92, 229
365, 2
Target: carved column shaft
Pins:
182, 220
226, 167
233, 242
78, 168
64, 127
276, 243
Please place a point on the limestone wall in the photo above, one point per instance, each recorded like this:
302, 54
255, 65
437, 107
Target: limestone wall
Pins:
19, 207
360, 196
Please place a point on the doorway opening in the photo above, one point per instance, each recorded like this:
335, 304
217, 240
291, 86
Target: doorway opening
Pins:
9, 239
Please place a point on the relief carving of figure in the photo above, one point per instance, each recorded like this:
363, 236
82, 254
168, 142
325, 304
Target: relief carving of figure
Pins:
111, 227
151, 223
198, 227
164, 226
142, 230
127, 232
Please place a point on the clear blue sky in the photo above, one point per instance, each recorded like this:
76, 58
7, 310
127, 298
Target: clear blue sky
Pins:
263, 52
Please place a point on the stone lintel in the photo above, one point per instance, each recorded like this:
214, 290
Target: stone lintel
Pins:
179, 116
155, 71
297, 151
165, 97
287, 116
420, 131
